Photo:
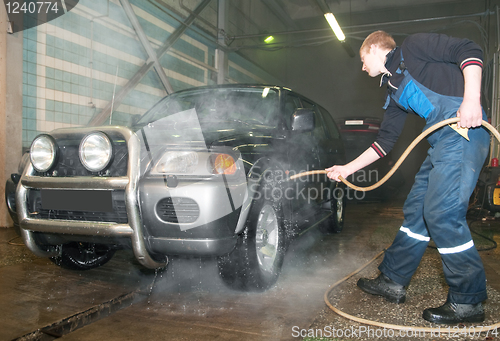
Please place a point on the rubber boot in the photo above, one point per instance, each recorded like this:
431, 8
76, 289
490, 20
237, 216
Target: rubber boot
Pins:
452, 313
385, 287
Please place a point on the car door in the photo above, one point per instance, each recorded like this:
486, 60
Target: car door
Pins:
331, 149
302, 156
324, 148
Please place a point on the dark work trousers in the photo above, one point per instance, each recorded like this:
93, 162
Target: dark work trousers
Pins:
437, 205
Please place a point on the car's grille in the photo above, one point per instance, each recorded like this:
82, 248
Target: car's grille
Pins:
118, 215
178, 210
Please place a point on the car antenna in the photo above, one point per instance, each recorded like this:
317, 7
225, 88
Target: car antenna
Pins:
113, 99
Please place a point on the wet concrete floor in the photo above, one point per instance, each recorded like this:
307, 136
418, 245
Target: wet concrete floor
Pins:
188, 301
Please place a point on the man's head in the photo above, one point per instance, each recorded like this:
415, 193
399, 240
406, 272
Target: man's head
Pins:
374, 50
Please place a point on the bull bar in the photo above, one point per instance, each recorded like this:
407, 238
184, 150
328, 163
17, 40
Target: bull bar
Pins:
133, 229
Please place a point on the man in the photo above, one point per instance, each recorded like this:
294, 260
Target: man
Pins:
436, 77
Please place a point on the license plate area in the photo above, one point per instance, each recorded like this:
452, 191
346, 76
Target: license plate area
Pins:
77, 200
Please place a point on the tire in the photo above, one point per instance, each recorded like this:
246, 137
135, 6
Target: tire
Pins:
83, 256
255, 263
335, 223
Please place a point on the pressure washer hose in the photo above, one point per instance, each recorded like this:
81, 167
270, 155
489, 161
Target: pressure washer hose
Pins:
376, 185
402, 157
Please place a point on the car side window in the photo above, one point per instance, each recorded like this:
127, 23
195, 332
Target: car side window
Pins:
291, 103
319, 129
330, 124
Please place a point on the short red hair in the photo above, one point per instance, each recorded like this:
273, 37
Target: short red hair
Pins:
381, 38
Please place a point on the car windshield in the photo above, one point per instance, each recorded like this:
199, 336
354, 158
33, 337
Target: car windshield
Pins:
256, 106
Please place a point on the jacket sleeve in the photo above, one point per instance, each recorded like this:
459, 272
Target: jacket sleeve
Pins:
433, 47
390, 129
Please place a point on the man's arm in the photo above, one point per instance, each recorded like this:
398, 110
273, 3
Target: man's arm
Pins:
390, 129
369, 156
470, 111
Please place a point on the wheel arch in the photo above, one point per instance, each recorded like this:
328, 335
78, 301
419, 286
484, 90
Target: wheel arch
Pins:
254, 180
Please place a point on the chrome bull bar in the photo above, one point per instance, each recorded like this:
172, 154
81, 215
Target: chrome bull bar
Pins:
128, 183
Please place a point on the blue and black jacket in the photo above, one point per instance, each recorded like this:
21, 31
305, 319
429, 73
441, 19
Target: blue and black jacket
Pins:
434, 60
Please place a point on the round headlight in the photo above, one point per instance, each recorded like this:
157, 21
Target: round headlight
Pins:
43, 153
96, 151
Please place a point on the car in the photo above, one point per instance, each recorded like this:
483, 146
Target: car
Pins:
358, 133
204, 172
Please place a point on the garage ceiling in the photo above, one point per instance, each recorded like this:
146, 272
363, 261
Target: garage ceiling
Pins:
298, 22
302, 9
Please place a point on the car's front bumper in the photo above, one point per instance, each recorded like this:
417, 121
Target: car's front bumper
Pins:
197, 217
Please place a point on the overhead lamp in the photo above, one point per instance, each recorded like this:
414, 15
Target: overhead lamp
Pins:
335, 26
268, 39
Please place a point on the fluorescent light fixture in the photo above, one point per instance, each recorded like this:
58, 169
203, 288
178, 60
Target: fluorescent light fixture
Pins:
335, 26
265, 92
268, 39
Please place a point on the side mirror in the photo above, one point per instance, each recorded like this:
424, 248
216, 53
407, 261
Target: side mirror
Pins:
303, 120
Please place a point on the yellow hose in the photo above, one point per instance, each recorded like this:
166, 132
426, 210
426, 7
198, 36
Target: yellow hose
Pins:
372, 187
402, 157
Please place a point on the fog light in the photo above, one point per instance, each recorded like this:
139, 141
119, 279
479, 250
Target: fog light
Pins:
43, 152
96, 151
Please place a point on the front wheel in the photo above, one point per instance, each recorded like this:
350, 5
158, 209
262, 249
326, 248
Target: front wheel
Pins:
83, 256
255, 263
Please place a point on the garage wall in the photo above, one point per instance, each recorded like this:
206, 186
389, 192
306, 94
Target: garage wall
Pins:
74, 64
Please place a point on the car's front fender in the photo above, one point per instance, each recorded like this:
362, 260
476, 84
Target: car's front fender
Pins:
255, 176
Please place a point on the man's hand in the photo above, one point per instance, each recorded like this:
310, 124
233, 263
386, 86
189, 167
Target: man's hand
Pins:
470, 113
335, 171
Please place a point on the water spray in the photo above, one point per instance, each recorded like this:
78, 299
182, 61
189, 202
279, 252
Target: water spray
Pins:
372, 187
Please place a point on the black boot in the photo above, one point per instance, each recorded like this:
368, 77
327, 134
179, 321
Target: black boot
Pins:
383, 286
451, 313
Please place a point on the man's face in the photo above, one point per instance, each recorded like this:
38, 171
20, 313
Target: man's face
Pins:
371, 62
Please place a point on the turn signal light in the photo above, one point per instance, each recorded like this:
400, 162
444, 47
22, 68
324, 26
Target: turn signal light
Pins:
223, 164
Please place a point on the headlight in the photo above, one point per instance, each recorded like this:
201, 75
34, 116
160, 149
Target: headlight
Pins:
96, 151
177, 162
200, 163
43, 153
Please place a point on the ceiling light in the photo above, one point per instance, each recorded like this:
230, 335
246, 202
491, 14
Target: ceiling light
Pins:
335, 26
268, 39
